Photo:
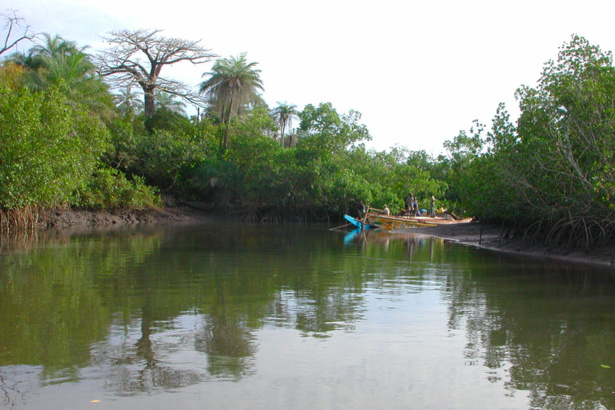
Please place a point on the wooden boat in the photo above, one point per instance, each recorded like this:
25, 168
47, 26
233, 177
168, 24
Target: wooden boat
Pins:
377, 219
391, 222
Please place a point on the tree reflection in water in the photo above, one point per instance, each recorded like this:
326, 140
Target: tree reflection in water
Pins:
158, 311
531, 319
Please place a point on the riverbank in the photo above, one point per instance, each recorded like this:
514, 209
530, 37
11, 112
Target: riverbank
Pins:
81, 219
489, 237
470, 233
70, 218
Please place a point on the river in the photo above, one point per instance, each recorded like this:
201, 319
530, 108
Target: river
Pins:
236, 316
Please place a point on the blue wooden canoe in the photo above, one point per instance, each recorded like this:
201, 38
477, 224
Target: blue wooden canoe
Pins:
358, 224
355, 222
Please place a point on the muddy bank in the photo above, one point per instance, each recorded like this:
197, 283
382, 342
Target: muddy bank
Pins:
490, 237
70, 219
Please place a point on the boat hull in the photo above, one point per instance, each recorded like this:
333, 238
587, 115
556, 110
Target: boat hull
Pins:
390, 222
358, 224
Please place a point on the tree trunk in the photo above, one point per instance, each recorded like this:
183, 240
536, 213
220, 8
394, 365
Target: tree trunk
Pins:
149, 102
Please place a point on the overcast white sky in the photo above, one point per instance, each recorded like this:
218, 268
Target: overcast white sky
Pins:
419, 72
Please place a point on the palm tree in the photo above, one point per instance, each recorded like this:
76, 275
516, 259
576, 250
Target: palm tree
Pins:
285, 114
42, 55
60, 63
169, 102
233, 85
54, 46
128, 102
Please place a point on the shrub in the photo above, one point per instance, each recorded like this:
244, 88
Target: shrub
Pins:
48, 148
109, 188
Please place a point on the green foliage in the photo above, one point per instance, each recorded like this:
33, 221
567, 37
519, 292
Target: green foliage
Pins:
284, 114
168, 120
128, 103
255, 169
167, 101
324, 176
61, 64
233, 86
556, 164
255, 123
324, 131
49, 148
554, 171
163, 157
234, 161
567, 129
167, 156
110, 189
564, 157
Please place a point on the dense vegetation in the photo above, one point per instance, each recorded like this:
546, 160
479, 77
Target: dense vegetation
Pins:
75, 133
550, 176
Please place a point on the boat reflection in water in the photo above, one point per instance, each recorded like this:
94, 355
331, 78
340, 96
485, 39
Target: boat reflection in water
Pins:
296, 315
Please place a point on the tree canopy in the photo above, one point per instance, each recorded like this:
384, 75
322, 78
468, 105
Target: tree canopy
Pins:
138, 57
233, 85
551, 174
67, 139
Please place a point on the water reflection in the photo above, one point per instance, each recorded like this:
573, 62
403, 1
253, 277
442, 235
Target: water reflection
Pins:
550, 325
159, 309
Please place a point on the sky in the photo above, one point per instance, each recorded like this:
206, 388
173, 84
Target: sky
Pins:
419, 72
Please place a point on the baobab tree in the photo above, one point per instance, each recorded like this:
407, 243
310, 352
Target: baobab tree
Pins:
137, 57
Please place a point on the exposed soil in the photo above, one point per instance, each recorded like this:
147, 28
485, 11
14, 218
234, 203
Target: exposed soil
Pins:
490, 237
68, 218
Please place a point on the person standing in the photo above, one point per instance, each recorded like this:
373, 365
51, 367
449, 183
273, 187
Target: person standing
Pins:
432, 207
409, 204
362, 210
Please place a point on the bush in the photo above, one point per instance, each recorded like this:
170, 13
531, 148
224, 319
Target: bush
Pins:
48, 148
110, 189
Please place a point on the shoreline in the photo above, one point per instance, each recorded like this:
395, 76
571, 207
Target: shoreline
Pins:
466, 233
61, 219
489, 237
